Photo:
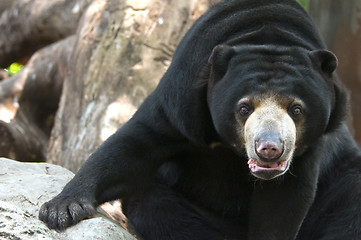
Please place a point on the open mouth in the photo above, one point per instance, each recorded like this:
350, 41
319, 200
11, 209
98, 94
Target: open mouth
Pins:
256, 165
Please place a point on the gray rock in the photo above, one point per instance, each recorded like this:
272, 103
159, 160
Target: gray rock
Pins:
24, 187
18, 224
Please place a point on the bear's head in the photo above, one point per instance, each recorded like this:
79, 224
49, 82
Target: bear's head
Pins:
271, 103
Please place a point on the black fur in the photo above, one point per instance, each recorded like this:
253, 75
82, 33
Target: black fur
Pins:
176, 184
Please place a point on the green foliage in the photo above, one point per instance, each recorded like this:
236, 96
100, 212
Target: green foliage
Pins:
14, 68
304, 3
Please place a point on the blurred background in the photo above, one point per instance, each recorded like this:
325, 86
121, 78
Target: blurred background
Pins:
340, 24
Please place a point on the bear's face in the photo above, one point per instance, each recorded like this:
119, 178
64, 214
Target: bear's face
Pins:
270, 103
270, 127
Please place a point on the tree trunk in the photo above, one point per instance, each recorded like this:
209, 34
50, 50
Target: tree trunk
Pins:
28, 25
119, 52
37, 88
122, 50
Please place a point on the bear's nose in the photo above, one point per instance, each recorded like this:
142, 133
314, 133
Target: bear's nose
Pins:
269, 149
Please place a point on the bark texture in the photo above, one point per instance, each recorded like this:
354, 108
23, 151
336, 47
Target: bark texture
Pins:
36, 90
28, 25
106, 57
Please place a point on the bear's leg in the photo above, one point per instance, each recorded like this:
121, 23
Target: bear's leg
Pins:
124, 163
336, 212
162, 214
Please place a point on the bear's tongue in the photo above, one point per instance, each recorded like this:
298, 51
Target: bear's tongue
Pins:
258, 165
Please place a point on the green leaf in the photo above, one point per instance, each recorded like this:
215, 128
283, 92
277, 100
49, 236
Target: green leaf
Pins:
304, 3
14, 68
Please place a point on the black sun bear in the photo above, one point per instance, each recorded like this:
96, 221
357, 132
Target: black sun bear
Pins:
244, 138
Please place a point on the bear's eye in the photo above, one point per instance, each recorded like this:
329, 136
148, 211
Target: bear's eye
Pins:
244, 110
296, 110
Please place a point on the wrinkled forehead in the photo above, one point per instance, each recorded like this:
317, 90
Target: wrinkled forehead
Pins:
278, 72
273, 54
273, 66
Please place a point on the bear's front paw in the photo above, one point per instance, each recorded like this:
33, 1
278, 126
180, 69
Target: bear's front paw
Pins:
62, 212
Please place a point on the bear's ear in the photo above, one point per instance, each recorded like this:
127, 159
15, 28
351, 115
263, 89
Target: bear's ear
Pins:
219, 60
325, 60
